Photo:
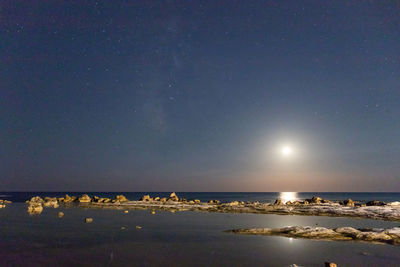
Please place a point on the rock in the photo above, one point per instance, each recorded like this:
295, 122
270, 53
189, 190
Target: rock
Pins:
348, 203
68, 199
84, 199
278, 201
50, 202
60, 214
288, 203
196, 201
123, 228
157, 199
106, 200
153, 212
173, 197
145, 198
35, 208
211, 202
164, 199
138, 227
2, 206
233, 203
330, 264
375, 203
296, 202
305, 202
126, 211
315, 200
88, 220
191, 202
35, 200
326, 201
121, 198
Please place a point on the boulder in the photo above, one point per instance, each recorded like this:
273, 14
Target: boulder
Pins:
173, 197
196, 201
305, 202
84, 199
315, 200
375, 203
50, 202
2, 206
153, 212
164, 199
326, 201
121, 198
289, 203
68, 199
211, 202
191, 202
60, 214
348, 203
145, 198
88, 220
278, 201
35, 208
35, 200
157, 199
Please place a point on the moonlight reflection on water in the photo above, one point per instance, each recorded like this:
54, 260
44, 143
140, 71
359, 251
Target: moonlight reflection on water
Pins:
288, 196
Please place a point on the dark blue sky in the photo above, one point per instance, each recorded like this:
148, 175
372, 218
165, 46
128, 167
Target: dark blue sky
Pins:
199, 95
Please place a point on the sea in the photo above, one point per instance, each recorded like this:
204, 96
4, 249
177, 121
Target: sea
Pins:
187, 238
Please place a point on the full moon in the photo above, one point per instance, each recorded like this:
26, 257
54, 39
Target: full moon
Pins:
286, 151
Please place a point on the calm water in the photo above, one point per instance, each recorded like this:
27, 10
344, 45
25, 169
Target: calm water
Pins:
179, 239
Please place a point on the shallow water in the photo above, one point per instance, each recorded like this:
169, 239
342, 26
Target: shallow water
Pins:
174, 239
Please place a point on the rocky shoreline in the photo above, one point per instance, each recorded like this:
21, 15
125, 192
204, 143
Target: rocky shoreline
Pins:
386, 236
315, 206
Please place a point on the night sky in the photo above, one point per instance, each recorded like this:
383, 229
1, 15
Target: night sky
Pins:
199, 95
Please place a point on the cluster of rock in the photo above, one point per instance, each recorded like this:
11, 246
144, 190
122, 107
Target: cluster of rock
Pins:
318, 200
173, 198
3, 203
388, 236
36, 204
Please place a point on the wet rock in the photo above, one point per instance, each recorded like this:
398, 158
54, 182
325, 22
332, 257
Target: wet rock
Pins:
88, 220
84, 199
157, 199
173, 197
388, 236
330, 264
288, 202
305, 202
196, 201
121, 198
211, 202
191, 202
60, 214
278, 201
153, 212
326, 201
296, 202
164, 199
